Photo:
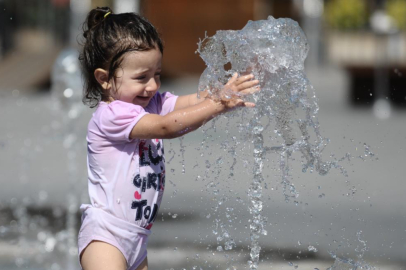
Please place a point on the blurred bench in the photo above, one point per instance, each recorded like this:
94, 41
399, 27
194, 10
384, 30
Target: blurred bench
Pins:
365, 55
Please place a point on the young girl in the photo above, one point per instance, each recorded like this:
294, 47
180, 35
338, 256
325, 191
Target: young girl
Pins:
121, 62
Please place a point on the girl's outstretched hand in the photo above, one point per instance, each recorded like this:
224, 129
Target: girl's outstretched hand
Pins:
232, 93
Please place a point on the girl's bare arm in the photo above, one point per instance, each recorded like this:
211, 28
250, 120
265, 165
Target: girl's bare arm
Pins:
190, 100
191, 113
176, 123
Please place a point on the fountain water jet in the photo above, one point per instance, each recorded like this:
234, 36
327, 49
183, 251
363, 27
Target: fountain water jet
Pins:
274, 50
66, 91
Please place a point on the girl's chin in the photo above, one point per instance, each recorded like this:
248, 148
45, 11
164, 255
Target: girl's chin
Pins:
143, 98
141, 101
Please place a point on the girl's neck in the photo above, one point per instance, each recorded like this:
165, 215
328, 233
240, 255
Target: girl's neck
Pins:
109, 100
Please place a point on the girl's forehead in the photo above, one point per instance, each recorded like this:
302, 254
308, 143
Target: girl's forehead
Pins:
142, 58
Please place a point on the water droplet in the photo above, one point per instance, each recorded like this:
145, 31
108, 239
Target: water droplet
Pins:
68, 93
16, 93
43, 195
50, 243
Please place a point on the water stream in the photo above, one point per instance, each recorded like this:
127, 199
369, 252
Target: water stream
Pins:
284, 120
66, 85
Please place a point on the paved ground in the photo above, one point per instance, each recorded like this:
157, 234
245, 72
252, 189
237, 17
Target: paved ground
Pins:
42, 166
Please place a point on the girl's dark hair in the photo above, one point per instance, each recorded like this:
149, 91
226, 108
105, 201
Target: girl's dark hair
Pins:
108, 37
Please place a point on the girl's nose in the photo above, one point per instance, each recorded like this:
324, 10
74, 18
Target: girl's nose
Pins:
153, 84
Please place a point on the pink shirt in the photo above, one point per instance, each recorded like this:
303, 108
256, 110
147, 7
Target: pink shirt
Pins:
126, 177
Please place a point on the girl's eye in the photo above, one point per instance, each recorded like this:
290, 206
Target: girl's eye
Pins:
140, 78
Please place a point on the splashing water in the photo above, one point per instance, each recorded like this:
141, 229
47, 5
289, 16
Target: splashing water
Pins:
274, 50
350, 264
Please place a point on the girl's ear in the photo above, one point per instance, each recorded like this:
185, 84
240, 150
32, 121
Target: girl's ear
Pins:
102, 77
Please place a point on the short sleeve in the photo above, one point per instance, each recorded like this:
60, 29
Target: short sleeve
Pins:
162, 104
117, 119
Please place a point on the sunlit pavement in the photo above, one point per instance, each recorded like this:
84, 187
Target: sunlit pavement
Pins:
330, 210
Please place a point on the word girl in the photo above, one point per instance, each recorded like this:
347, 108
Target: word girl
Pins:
121, 62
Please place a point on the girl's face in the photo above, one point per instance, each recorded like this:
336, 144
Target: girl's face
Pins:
138, 79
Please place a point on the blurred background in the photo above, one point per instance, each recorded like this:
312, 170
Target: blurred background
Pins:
357, 64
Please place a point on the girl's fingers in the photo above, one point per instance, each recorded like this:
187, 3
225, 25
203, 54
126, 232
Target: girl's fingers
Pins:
233, 79
242, 85
249, 104
241, 103
247, 85
251, 90
243, 79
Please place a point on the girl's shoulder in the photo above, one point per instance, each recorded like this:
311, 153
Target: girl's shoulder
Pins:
117, 107
114, 121
116, 111
161, 103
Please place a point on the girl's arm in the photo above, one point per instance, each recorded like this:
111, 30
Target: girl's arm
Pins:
176, 123
190, 100
189, 116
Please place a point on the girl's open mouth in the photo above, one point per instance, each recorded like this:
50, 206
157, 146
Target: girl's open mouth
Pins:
142, 98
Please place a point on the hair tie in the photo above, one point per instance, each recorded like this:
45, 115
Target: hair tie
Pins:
107, 14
